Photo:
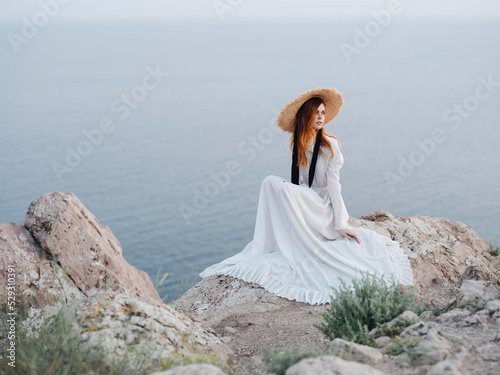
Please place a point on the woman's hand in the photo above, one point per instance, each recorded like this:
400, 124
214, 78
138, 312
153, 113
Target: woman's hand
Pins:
349, 234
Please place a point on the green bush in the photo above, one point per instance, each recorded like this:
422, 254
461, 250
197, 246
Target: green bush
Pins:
473, 305
355, 311
494, 250
395, 329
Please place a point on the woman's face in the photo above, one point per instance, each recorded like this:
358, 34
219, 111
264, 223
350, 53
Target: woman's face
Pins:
320, 117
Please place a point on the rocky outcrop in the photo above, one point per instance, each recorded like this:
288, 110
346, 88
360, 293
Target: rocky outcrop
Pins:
114, 322
63, 253
451, 264
36, 279
63, 260
88, 250
440, 250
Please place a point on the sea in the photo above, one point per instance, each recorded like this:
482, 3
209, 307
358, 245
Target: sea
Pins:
165, 130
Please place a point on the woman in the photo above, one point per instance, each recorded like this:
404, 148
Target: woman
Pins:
303, 244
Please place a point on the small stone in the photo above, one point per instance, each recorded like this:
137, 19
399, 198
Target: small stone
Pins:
382, 341
493, 306
454, 315
471, 289
482, 316
231, 330
428, 316
446, 367
406, 315
363, 353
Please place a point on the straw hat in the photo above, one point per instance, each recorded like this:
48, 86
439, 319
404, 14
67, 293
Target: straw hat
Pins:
332, 98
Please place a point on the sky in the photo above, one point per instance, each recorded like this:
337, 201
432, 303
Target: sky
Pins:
13, 10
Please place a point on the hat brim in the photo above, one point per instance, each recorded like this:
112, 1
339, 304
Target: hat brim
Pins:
333, 102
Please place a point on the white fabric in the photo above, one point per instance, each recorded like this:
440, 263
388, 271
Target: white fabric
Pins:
297, 252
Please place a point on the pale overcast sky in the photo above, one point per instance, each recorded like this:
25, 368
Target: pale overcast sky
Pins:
14, 10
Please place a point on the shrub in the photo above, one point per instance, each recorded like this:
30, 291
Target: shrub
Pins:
353, 312
395, 329
473, 305
494, 250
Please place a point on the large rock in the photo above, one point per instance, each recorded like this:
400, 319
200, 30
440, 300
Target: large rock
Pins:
86, 249
61, 254
439, 249
124, 326
434, 345
361, 353
403, 320
330, 365
38, 281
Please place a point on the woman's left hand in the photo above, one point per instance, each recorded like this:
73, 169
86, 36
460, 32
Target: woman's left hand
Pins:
350, 234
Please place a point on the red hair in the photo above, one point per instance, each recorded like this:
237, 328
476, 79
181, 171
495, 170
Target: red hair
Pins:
304, 121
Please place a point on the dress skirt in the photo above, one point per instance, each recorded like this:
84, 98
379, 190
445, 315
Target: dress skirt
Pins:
297, 254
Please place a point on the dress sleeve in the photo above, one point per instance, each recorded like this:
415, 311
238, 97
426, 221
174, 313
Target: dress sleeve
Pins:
334, 188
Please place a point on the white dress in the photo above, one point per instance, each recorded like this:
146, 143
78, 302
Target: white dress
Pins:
297, 252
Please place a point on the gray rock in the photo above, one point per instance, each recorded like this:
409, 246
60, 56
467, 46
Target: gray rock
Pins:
471, 289
112, 322
471, 273
454, 315
434, 346
382, 341
192, 369
446, 367
493, 306
330, 365
428, 316
363, 353
420, 329
491, 293
406, 315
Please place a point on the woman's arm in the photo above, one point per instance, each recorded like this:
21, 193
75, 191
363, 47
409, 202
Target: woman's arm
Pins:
334, 190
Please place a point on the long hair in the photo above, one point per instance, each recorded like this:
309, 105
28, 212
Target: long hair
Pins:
304, 120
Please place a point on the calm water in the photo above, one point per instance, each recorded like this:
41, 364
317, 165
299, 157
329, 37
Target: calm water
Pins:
169, 140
